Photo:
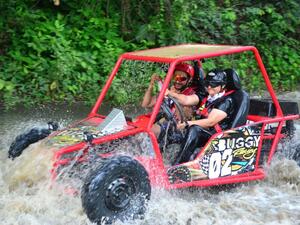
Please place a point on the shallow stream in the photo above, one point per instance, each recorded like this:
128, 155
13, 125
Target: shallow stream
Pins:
26, 196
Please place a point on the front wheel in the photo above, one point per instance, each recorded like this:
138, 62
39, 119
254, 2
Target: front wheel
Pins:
117, 189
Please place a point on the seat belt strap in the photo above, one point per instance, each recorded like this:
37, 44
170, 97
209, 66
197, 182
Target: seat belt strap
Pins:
203, 111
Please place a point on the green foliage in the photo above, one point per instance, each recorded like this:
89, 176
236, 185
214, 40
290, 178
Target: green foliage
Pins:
54, 57
65, 53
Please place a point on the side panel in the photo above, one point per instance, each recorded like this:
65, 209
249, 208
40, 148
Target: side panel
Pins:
233, 152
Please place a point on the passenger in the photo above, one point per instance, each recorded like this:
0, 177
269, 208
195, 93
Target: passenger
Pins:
216, 113
182, 78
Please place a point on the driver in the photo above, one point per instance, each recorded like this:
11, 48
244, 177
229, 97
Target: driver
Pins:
215, 112
182, 78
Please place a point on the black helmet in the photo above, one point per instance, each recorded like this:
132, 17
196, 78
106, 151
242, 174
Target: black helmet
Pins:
215, 78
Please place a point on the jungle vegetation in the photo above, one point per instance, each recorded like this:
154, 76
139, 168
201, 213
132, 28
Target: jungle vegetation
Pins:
64, 51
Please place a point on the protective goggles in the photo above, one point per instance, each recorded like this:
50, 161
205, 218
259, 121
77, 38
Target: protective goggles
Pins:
180, 78
212, 84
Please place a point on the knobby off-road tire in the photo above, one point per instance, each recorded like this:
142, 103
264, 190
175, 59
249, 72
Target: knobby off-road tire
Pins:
22, 141
117, 189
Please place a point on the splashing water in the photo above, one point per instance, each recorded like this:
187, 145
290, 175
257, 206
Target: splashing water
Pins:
27, 197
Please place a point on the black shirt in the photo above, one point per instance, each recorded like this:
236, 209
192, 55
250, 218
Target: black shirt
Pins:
225, 103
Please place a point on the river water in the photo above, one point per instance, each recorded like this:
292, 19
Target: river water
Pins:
26, 196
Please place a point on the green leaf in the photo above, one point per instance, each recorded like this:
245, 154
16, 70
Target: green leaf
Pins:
9, 87
53, 85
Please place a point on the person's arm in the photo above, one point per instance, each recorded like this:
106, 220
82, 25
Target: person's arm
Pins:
214, 117
149, 100
186, 100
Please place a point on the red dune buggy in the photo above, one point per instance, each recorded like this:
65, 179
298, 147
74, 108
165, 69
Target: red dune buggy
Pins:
114, 157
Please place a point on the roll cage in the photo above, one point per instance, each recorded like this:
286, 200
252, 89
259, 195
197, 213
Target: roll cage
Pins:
174, 55
181, 53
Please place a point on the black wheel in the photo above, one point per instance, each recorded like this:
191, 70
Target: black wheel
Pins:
118, 189
22, 141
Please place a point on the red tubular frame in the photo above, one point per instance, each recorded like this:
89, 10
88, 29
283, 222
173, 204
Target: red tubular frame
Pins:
255, 175
105, 88
267, 81
174, 61
258, 173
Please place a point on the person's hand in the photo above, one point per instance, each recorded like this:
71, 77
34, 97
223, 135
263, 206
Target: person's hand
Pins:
170, 92
181, 126
172, 88
154, 78
167, 93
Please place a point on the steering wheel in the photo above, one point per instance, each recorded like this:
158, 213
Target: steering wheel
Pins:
169, 113
173, 113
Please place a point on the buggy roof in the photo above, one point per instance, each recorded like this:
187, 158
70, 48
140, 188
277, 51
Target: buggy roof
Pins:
172, 53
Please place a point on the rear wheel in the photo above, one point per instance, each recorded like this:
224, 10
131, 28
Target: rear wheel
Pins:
22, 141
117, 189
